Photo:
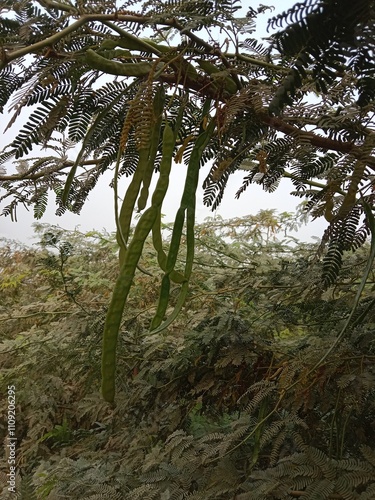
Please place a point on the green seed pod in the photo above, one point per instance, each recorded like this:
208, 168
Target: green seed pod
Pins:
96, 61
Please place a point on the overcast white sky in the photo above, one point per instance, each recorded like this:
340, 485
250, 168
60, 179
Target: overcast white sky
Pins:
98, 213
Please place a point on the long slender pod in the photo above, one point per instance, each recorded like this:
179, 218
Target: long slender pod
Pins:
128, 123
123, 140
171, 261
158, 106
128, 267
157, 241
169, 141
131, 42
128, 204
96, 61
190, 250
147, 153
190, 239
187, 207
157, 325
119, 296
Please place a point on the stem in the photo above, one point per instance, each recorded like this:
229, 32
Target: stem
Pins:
258, 62
51, 4
30, 176
9, 57
319, 185
125, 34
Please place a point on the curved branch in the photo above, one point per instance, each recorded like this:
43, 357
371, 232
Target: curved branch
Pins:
52, 4
86, 18
16, 54
8, 57
204, 86
315, 140
30, 176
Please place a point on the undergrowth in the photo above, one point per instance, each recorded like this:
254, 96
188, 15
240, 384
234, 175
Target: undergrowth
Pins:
234, 401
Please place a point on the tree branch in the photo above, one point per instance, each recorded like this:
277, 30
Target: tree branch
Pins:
52, 4
16, 54
86, 18
258, 62
200, 84
311, 183
315, 140
30, 176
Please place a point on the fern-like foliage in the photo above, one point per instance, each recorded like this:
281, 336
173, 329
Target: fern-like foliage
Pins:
318, 476
238, 399
326, 38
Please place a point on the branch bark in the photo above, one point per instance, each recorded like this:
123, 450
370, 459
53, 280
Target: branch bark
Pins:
315, 140
30, 176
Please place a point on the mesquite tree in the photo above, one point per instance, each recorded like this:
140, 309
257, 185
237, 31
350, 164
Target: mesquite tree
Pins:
141, 85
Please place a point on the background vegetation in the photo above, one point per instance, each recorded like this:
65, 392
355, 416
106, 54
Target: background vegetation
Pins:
236, 400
